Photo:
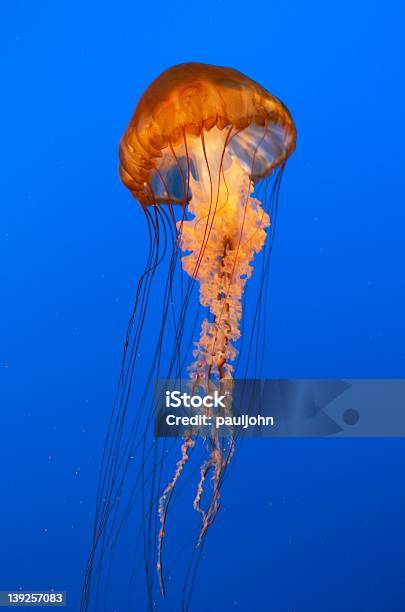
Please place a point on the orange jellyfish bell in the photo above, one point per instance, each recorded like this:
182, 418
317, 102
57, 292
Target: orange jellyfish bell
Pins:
192, 103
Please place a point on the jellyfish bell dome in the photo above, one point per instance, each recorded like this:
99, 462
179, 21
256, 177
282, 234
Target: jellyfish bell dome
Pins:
191, 121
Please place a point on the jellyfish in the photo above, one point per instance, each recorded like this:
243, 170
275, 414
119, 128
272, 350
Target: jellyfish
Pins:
203, 155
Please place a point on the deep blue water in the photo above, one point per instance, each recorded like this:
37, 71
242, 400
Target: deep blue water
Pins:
305, 525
